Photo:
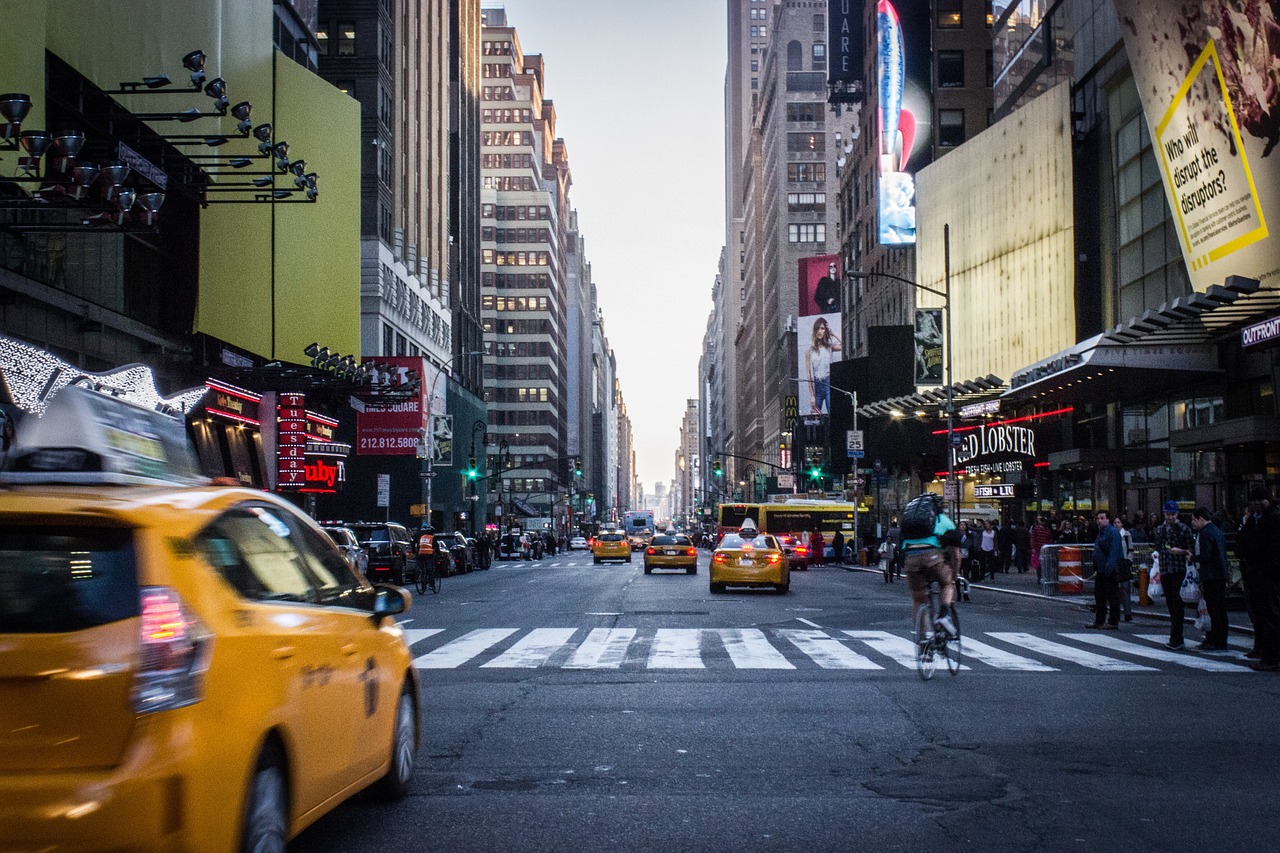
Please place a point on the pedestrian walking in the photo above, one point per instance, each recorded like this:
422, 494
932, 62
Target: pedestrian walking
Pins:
837, 546
1107, 549
817, 549
987, 552
1211, 561
1259, 547
1173, 542
1040, 536
1124, 571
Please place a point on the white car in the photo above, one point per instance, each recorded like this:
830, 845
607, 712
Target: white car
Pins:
577, 543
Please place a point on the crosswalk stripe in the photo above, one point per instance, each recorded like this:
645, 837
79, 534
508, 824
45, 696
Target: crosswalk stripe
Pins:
1235, 645
417, 635
826, 651
1084, 658
676, 648
604, 648
1118, 645
1000, 659
892, 646
748, 648
463, 649
533, 649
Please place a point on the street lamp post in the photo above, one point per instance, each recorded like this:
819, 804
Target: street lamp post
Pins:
853, 399
945, 294
428, 476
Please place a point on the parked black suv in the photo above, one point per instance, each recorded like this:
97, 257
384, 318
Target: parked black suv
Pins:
390, 547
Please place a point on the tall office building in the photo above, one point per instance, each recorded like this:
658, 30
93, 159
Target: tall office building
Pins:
525, 217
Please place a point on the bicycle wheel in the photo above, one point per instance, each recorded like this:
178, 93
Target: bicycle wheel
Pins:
433, 580
924, 641
954, 649
420, 580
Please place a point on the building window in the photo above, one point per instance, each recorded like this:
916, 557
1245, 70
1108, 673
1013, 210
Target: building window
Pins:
806, 202
819, 56
803, 173
806, 142
949, 13
322, 39
950, 128
807, 232
950, 69
755, 65
795, 56
346, 39
819, 23
805, 111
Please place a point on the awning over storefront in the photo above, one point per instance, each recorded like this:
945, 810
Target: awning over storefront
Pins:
983, 388
1165, 348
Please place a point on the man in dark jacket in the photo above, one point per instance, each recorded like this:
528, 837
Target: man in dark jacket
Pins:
1173, 542
1259, 547
1107, 551
1211, 561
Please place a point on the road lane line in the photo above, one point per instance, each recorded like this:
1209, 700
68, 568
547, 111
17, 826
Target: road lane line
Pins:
1039, 645
1232, 643
808, 622
417, 635
826, 651
892, 646
604, 648
676, 648
1000, 659
463, 649
1183, 659
749, 648
533, 649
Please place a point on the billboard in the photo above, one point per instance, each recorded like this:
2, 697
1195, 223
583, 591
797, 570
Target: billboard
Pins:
845, 55
903, 78
818, 331
393, 429
1207, 73
928, 346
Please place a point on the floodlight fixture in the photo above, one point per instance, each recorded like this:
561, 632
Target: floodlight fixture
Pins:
240, 112
194, 62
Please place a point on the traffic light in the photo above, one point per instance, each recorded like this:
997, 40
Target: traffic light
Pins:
577, 468
717, 468
472, 471
815, 472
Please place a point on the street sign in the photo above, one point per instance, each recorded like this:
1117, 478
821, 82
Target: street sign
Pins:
853, 443
417, 510
786, 481
384, 490
951, 491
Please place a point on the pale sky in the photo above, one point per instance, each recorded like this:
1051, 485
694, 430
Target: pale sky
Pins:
639, 92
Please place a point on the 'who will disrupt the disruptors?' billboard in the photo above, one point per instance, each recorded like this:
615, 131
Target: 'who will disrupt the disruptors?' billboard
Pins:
903, 77
1209, 77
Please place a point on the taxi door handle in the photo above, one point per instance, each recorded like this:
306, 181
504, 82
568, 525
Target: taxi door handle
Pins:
350, 649
284, 652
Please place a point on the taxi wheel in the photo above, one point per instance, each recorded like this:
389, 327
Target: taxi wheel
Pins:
648, 570
596, 560
693, 570
782, 588
395, 784
266, 820
717, 587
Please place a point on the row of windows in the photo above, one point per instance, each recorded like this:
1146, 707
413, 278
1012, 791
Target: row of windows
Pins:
519, 349
507, 161
515, 259
518, 371
515, 212
497, 93
950, 14
817, 53
337, 39
395, 343
803, 173
490, 302
806, 142
759, 32
506, 137
525, 484
509, 183
811, 111
515, 281
515, 235
495, 70
517, 327
504, 116
807, 232
517, 395
496, 48
801, 202
523, 417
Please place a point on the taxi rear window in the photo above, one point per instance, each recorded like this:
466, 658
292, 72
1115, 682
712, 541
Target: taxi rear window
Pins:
663, 540
611, 537
66, 578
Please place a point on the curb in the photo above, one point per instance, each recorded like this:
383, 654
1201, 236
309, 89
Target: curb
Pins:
1078, 601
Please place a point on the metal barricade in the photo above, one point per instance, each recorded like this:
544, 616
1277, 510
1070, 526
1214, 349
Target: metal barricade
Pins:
1050, 564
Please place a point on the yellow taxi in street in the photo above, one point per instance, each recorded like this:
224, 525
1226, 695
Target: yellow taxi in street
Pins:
610, 545
183, 666
747, 558
671, 551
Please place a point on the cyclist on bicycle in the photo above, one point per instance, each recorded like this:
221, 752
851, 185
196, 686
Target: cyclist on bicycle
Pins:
427, 549
930, 556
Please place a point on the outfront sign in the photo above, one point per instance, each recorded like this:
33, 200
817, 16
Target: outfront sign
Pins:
394, 428
1260, 333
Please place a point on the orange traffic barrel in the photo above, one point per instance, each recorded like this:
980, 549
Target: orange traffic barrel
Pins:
1070, 578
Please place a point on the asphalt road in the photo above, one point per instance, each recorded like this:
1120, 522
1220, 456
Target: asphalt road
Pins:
571, 707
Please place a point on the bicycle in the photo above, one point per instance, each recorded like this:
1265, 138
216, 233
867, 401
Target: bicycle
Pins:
931, 644
427, 579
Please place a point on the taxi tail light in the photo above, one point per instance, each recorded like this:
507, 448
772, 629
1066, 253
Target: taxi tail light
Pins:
651, 551
692, 552
173, 654
802, 549
718, 558
775, 558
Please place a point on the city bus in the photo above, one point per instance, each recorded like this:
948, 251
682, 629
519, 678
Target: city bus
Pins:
796, 516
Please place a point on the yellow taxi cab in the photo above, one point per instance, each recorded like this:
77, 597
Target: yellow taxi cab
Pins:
749, 558
610, 545
671, 551
183, 666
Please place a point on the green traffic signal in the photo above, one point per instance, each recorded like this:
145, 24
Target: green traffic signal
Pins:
472, 471
815, 473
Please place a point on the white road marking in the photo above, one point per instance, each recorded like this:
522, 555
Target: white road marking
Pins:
826, 651
748, 648
1032, 643
416, 635
1232, 642
533, 649
808, 622
1000, 659
1182, 659
463, 649
676, 648
604, 648
901, 650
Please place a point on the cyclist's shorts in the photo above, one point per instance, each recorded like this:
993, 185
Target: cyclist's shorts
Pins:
925, 565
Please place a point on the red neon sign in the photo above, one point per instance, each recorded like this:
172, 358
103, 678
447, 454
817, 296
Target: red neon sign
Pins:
1009, 421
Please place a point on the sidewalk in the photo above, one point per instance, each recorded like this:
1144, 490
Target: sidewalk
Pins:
1028, 584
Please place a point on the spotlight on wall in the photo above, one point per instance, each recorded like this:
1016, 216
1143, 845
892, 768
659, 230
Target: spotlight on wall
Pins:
281, 152
217, 89
14, 106
194, 62
150, 203
240, 112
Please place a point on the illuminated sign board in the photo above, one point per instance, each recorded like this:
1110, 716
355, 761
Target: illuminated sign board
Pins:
845, 56
818, 332
903, 77
236, 404
292, 441
977, 410
993, 490
394, 428
1260, 333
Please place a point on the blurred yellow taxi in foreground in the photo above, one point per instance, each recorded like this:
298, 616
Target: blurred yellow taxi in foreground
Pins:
744, 559
182, 666
671, 551
611, 545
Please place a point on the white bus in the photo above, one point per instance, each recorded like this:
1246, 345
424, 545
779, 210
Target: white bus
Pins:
639, 527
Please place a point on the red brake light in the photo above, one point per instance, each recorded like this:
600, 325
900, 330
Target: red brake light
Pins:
692, 552
650, 551
718, 558
802, 549
775, 558
162, 619
173, 655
